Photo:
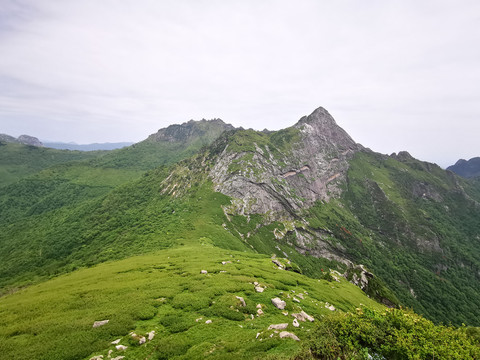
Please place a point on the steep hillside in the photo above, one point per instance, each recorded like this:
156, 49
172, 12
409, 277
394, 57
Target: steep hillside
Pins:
308, 193
467, 169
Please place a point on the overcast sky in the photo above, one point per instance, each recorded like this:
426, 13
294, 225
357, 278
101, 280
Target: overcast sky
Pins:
396, 75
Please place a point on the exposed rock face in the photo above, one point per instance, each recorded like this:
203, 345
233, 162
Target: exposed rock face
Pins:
281, 179
22, 139
191, 130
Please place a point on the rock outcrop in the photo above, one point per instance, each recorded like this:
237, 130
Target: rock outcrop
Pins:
22, 139
287, 170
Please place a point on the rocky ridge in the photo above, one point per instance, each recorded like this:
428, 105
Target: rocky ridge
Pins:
22, 139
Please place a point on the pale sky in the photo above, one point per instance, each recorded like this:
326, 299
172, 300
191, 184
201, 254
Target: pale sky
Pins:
396, 75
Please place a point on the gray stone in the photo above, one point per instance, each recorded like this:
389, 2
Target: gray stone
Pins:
278, 326
100, 323
279, 303
242, 301
286, 334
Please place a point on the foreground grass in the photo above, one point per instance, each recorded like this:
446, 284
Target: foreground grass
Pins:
167, 293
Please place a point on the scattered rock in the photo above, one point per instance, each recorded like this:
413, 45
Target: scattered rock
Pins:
252, 317
259, 289
285, 313
100, 323
259, 312
226, 262
142, 340
98, 357
278, 326
200, 318
151, 335
295, 323
331, 307
121, 347
303, 316
118, 358
204, 272
242, 301
255, 283
258, 334
110, 353
278, 263
296, 300
259, 306
278, 303
286, 334
300, 295
115, 342
208, 322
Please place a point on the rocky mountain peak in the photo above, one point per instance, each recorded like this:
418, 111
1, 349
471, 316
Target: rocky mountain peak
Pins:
321, 126
191, 130
309, 159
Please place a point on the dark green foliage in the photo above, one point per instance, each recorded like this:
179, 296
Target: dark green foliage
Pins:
391, 334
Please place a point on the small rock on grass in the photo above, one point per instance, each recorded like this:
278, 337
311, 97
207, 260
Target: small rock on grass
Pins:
242, 301
259, 289
121, 347
286, 334
259, 312
151, 335
115, 342
302, 316
100, 323
98, 357
208, 322
295, 323
278, 303
203, 272
278, 326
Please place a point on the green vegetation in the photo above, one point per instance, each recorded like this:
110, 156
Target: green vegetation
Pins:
123, 236
387, 334
18, 160
165, 292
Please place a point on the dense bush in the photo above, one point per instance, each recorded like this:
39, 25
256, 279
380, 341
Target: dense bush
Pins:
391, 334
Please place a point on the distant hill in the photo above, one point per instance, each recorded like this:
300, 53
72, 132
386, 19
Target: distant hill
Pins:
22, 139
466, 169
18, 160
86, 147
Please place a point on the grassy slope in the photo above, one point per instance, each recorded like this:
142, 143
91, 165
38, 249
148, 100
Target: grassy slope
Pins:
165, 292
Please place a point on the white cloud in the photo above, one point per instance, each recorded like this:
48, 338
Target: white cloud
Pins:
396, 75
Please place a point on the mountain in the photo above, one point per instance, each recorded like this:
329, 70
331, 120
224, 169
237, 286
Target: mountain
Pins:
22, 139
86, 147
467, 169
292, 210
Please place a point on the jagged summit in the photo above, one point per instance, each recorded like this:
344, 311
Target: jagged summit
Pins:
322, 126
191, 130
